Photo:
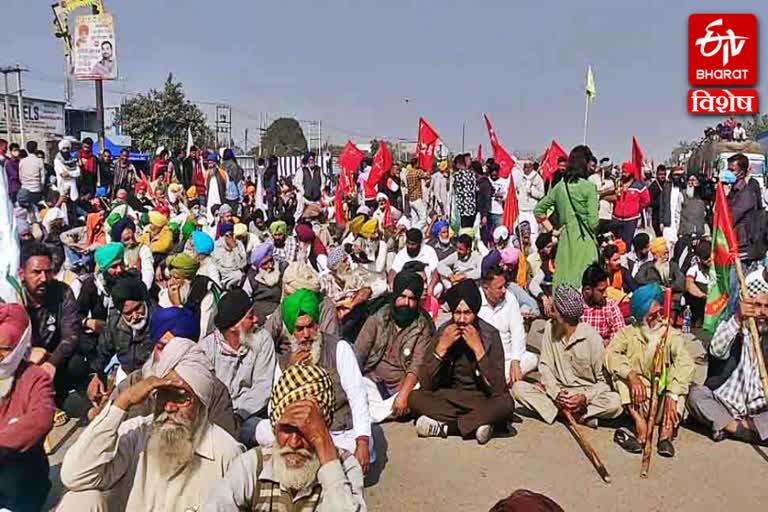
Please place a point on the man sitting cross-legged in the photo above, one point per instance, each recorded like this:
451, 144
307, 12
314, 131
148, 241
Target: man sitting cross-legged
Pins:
391, 347
303, 470
629, 360
463, 387
170, 459
732, 401
571, 368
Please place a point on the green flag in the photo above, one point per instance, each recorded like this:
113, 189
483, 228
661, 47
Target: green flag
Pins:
724, 254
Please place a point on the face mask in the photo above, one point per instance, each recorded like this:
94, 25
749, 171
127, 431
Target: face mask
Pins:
172, 197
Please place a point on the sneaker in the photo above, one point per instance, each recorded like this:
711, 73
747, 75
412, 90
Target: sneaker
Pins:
427, 427
484, 433
591, 423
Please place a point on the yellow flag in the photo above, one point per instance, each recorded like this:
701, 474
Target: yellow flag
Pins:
591, 90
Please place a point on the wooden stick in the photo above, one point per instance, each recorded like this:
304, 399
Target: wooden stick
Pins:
756, 348
590, 452
658, 368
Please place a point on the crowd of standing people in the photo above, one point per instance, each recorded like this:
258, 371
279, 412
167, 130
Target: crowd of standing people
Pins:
229, 338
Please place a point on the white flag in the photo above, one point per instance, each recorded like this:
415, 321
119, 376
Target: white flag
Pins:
189, 139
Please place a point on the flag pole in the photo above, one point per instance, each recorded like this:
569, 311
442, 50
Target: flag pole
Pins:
757, 351
586, 116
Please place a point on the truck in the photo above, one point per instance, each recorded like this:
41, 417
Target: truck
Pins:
711, 158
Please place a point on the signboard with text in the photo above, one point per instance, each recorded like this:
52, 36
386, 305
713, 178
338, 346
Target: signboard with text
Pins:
42, 119
94, 48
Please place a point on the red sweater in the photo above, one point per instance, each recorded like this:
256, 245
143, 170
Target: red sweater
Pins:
26, 414
632, 201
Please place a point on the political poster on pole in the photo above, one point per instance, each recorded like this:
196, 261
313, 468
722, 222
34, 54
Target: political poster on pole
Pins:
94, 48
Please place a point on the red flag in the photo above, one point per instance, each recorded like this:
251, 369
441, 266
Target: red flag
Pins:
511, 210
349, 161
425, 149
338, 207
382, 161
505, 161
637, 159
548, 165
479, 153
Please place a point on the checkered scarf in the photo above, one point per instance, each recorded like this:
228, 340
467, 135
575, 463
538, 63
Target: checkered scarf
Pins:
299, 382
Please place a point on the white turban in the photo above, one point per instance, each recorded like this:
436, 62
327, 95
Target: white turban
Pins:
500, 233
190, 363
65, 143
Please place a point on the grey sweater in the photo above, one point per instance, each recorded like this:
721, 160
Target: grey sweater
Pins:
247, 372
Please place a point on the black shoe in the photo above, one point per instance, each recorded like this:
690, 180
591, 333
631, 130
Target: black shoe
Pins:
627, 440
665, 448
744, 435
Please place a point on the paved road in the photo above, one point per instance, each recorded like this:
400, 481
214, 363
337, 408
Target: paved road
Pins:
452, 475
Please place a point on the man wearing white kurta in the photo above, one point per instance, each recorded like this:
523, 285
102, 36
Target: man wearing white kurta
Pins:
165, 462
501, 310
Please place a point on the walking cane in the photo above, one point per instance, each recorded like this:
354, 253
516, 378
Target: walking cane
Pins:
658, 369
590, 452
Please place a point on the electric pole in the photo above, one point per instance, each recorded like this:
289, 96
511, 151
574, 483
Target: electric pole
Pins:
19, 97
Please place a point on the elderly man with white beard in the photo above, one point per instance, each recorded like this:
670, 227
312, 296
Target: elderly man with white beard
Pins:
243, 358
304, 471
167, 461
351, 427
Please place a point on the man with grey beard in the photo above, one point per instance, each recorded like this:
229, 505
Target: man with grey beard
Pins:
303, 471
167, 461
243, 358
351, 427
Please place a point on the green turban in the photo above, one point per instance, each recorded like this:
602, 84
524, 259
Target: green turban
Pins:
278, 226
300, 302
183, 264
187, 229
108, 255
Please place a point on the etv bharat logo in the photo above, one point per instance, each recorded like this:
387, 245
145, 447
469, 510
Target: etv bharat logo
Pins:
722, 49
733, 44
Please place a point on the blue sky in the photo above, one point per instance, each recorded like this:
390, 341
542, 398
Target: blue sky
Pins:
352, 64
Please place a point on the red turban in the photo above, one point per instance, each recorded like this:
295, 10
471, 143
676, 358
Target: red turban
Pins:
13, 323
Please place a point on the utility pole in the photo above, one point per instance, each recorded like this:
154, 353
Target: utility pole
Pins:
19, 97
246, 141
7, 106
463, 126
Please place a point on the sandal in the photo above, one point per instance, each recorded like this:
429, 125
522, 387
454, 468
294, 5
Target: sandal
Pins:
665, 448
627, 440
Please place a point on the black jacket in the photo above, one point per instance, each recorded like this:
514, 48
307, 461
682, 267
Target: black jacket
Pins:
55, 326
117, 338
744, 200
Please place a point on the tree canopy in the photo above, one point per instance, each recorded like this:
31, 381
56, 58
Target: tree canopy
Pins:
284, 137
161, 117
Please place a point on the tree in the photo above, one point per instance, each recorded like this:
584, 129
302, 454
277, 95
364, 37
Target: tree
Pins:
284, 137
756, 125
162, 118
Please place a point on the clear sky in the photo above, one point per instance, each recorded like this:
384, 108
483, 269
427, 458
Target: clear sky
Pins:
352, 64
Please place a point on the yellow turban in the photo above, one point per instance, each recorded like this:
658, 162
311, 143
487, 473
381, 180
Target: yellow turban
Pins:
658, 246
192, 193
443, 165
157, 219
467, 231
369, 228
356, 224
240, 229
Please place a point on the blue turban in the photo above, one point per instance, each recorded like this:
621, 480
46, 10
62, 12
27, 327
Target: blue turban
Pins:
120, 226
642, 298
180, 322
202, 242
226, 228
492, 259
438, 227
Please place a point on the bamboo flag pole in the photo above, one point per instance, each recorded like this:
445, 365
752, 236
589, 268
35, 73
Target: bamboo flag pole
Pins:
754, 334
